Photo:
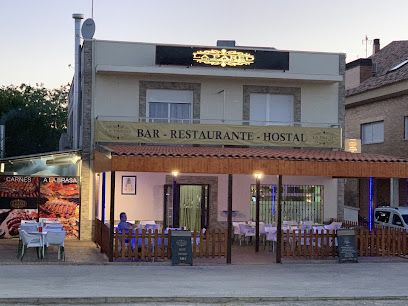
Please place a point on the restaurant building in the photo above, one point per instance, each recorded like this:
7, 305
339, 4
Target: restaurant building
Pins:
145, 110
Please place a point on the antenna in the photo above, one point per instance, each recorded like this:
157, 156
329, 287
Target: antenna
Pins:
366, 41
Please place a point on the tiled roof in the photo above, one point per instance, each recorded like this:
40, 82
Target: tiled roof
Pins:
387, 58
249, 153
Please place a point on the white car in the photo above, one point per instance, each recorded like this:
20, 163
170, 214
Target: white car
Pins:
391, 216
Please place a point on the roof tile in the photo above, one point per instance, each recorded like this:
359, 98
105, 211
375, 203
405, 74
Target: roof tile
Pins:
258, 153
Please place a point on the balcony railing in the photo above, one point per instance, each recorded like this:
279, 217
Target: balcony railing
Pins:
218, 121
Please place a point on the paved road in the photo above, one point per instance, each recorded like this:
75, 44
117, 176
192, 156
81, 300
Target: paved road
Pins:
302, 284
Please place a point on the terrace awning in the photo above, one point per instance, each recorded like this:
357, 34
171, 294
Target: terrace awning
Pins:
142, 158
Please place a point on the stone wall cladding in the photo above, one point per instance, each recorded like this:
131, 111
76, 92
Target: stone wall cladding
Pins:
195, 87
341, 122
248, 89
213, 195
86, 173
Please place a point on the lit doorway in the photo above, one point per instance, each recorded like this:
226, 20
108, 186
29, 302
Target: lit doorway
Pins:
191, 208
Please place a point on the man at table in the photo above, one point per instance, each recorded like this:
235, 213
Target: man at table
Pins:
123, 224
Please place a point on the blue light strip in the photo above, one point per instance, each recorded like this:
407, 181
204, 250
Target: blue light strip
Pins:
371, 205
103, 196
273, 200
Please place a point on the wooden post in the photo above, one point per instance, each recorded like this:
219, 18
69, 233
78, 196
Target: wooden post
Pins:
279, 230
258, 195
230, 232
112, 216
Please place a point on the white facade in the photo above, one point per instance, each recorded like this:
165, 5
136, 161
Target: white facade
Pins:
118, 69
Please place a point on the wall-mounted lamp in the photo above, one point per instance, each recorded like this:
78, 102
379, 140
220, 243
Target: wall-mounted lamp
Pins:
258, 176
175, 173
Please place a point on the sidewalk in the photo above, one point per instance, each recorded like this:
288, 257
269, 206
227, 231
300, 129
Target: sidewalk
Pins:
128, 283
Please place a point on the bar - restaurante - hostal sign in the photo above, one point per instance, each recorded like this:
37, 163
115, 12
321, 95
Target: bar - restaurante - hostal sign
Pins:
217, 134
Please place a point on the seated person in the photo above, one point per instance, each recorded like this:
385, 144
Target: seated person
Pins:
123, 224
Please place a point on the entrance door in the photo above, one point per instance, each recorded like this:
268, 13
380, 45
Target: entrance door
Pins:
190, 208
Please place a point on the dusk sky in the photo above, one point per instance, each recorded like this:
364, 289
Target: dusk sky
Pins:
37, 37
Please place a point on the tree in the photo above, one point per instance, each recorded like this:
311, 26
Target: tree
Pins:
34, 117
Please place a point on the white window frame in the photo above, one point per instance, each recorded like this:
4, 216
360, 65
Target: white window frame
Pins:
269, 100
370, 127
169, 96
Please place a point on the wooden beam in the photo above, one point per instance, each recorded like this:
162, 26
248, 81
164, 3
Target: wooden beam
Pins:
268, 166
101, 162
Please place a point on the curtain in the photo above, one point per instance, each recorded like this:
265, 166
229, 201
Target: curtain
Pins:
190, 207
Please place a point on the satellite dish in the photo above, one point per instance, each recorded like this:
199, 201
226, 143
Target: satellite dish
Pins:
88, 29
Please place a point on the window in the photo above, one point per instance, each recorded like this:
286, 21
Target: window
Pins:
406, 128
396, 220
398, 66
382, 216
169, 105
372, 132
271, 109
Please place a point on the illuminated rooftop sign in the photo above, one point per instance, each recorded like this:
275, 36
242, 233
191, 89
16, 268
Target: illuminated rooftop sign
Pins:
222, 57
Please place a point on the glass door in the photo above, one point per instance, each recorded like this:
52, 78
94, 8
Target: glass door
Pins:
190, 208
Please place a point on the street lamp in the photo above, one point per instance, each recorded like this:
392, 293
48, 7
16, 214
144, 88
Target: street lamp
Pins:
175, 174
258, 177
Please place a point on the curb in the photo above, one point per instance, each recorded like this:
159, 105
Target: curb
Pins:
195, 300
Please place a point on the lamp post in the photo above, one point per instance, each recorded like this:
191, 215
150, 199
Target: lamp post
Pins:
175, 174
258, 193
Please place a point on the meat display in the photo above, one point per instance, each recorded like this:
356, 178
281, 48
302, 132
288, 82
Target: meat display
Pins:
56, 189
10, 224
60, 208
19, 188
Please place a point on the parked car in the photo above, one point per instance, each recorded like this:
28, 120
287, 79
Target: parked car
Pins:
391, 216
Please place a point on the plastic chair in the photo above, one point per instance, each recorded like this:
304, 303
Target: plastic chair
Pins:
235, 225
56, 238
31, 241
28, 221
245, 231
144, 223
54, 226
152, 227
29, 227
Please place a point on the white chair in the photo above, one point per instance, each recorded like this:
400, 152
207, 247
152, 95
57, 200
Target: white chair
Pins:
29, 227
245, 231
53, 227
235, 226
56, 238
31, 241
336, 225
262, 231
152, 227
271, 235
144, 223
28, 221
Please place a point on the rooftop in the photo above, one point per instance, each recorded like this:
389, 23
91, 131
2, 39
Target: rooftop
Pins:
389, 57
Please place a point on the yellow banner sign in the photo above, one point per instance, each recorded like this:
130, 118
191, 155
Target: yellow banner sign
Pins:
217, 134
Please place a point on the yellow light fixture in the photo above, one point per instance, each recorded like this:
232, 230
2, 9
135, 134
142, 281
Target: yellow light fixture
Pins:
258, 175
175, 173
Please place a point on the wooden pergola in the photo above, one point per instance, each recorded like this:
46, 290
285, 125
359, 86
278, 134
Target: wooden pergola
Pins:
211, 160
